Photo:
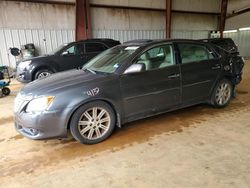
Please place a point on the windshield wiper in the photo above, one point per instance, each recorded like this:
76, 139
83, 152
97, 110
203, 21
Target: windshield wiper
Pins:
93, 72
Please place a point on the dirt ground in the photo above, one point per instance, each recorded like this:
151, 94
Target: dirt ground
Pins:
195, 147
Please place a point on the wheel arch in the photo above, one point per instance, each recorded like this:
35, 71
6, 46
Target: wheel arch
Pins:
224, 77
117, 114
227, 77
40, 68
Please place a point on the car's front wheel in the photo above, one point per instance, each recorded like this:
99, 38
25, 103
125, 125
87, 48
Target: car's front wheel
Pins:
93, 122
222, 94
43, 73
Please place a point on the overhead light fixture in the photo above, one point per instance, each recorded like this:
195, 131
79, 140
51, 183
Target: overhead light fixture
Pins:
230, 31
244, 28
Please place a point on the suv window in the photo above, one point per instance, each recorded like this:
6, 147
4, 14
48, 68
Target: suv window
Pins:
94, 47
73, 50
194, 53
156, 58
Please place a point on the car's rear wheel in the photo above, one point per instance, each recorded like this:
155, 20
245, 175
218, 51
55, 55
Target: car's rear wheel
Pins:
93, 122
6, 91
43, 73
222, 94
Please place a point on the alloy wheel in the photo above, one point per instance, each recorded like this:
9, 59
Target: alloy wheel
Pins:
44, 74
223, 93
94, 123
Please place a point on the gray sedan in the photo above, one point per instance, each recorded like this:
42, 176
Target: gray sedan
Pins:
125, 83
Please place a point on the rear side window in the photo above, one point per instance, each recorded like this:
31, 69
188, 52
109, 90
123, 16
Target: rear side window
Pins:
226, 44
194, 53
94, 47
222, 43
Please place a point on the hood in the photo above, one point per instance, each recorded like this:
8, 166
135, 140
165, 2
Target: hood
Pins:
61, 81
35, 58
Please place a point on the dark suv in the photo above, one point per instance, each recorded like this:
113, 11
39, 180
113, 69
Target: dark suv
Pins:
65, 57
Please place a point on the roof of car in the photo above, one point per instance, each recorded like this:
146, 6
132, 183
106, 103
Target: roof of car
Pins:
99, 40
108, 42
215, 39
145, 42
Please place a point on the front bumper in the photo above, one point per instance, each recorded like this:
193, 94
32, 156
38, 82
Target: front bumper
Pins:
23, 75
43, 125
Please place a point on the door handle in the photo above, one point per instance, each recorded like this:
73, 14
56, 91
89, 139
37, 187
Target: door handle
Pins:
216, 67
174, 76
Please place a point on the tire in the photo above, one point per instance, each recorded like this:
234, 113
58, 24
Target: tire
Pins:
222, 94
42, 73
6, 91
93, 122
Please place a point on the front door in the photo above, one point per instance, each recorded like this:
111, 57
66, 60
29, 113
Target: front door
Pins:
72, 57
199, 69
155, 89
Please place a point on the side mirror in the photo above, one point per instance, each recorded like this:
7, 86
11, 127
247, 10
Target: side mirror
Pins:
65, 53
138, 67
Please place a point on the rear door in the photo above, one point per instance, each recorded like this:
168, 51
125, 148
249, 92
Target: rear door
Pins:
155, 89
200, 69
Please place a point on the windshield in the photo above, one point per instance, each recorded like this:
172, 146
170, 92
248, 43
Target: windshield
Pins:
59, 48
110, 60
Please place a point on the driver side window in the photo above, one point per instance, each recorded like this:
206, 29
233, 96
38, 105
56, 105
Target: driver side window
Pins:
157, 57
70, 51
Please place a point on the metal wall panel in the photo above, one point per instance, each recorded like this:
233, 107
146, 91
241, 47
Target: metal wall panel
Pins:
197, 5
44, 40
126, 35
186, 34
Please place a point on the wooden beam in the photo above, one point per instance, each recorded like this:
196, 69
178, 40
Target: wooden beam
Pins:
150, 9
83, 20
196, 12
223, 15
168, 18
46, 2
239, 12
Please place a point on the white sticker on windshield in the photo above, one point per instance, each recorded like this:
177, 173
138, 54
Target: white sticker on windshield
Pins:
131, 47
116, 65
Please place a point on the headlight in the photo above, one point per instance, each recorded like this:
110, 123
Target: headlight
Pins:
39, 104
22, 65
19, 100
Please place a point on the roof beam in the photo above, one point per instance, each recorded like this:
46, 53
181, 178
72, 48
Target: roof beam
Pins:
238, 12
46, 2
150, 9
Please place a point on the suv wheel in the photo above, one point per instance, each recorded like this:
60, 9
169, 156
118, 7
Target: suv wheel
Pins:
5, 90
93, 122
222, 94
43, 73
